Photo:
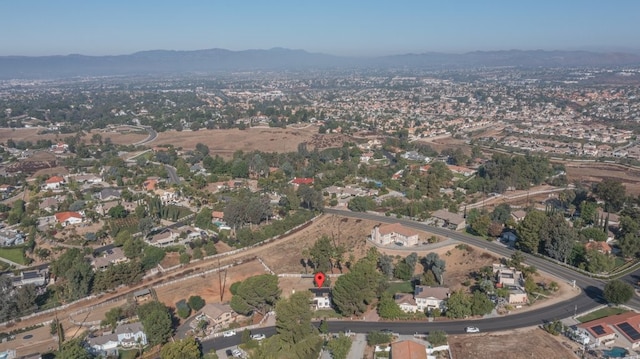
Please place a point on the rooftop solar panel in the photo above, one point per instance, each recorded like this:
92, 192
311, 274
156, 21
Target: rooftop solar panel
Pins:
598, 329
629, 330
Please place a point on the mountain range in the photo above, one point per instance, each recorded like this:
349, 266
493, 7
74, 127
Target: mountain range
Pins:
221, 60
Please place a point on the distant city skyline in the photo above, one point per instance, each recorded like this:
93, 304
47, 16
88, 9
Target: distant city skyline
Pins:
346, 28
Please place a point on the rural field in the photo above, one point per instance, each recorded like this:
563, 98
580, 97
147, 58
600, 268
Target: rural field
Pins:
225, 142
523, 343
594, 172
119, 136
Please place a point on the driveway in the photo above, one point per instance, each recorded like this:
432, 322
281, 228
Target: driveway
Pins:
358, 346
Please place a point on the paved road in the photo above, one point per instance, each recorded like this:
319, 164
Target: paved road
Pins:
590, 298
173, 174
152, 136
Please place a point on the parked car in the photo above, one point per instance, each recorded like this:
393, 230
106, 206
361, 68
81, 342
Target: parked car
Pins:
229, 353
229, 333
258, 336
236, 353
472, 330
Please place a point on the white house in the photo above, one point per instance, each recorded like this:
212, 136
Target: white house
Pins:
424, 298
54, 182
67, 218
321, 298
394, 233
129, 335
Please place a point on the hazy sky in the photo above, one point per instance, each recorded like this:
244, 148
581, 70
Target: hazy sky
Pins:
344, 27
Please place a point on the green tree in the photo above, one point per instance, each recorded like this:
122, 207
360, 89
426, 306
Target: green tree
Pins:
339, 346
388, 308
437, 338
257, 293
361, 204
376, 337
196, 302
613, 192
112, 316
481, 225
356, 290
558, 238
156, 320
117, 211
187, 348
618, 292
458, 305
322, 254
480, 303
203, 219
598, 262
501, 213
529, 231
73, 349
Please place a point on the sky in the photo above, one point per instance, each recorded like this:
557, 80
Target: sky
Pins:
344, 27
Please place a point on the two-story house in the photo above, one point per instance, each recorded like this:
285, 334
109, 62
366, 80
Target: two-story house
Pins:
321, 298
127, 336
394, 233
217, 315
424, 298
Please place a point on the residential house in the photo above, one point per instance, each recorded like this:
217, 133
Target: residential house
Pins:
461, 170
109, 194
602, 247
110, 256
163, 239
6, 189
506, 276
127, 336
49, 204
167, 195
59, 148
408, 349
86, 178
35, 277
54, 182
415, 156
623, 327
10, 237
394, 233
321, 298
67, 218
300, 181
447, 219
424, 298
217, 216
150, 184
216, 314
518, 215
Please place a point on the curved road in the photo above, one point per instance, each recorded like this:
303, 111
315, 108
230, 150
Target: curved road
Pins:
590, 298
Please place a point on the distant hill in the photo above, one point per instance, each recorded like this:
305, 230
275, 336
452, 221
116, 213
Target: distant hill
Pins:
221, 60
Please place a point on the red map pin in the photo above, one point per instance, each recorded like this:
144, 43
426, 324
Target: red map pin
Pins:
319, 278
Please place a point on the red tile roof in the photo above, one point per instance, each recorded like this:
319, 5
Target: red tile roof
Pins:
302, 180
408, 349
397, 228
55, 179
631, 318
63, 216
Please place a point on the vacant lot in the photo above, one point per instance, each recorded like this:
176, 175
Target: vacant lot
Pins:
208, 286
122, 136
225, 142
593, 172
516, 344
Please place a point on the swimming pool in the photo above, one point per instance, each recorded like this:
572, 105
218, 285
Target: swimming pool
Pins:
615, 352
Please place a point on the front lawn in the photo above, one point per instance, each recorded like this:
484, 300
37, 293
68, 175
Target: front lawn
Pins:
400, 287
601, 313
13, 254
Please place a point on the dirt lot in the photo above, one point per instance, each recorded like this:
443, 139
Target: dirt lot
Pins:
225, 142
121, 137
590, 172
516, 344
208, 286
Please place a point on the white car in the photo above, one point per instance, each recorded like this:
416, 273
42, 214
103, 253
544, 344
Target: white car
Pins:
236, 353
472, 330
258, 336
229, 333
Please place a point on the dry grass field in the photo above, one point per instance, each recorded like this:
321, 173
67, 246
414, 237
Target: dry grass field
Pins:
524, 343
594, 172
120, 136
